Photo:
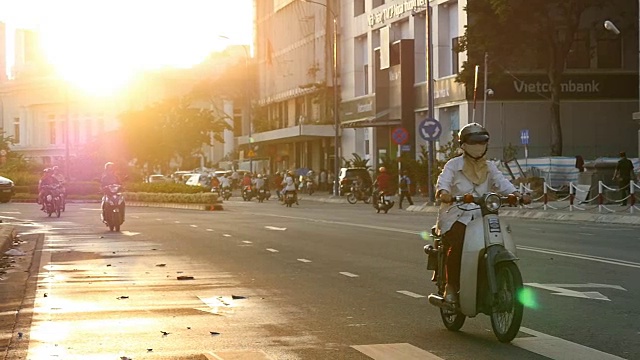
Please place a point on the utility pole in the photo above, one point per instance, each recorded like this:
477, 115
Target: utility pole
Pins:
486, 89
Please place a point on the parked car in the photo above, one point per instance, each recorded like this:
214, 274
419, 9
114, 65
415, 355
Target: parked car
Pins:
348, 175
181, 177
158, 179
7, 189
199, 180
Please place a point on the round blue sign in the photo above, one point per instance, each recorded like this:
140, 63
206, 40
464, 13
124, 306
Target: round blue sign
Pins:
430, 129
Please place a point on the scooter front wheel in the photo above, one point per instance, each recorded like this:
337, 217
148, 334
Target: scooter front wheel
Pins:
506, 316
351, 198
452, 320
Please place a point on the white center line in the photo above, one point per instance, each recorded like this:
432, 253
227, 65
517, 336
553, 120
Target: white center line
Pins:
586, 234
209, 229
194, 226
226, 235
177, 222
395, 351
304, 260
159, 219
247, 242
272, 250
409, 293
348, 274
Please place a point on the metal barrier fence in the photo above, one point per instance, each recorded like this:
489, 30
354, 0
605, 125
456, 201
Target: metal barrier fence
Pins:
629, 200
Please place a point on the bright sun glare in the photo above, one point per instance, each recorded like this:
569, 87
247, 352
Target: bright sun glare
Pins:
98, 45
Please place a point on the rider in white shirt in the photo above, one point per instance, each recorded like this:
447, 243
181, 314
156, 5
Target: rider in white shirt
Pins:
224, 182
290, 186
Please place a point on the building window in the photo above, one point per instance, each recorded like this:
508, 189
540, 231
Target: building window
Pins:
358, 7
52, 132
377, 3
455, 55
609, 52
579, 56
16, 130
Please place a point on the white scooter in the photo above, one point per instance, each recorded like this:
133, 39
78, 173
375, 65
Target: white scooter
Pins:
490, 281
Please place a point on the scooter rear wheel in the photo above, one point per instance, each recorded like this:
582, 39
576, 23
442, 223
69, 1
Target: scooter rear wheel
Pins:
351, 198
506, 316
453, 321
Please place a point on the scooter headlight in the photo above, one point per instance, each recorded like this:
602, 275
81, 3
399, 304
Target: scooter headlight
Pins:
493, 202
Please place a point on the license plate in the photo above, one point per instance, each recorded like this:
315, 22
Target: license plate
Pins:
494, 225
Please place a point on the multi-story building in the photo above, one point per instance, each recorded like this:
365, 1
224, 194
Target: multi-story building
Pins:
293, 118
383, 83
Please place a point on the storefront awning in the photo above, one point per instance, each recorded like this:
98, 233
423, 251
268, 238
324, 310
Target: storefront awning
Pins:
381, 119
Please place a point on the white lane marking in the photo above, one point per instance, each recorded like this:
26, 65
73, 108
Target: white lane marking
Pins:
194, 226
209, 229
129, 233
409, 293
11, 212
158, 219
177, 222
348, 274
403, 231
135, 217
275, 228
304, 260
226, 235
272, 250
586, 234
247, 242
582, 256
395, 351
557, 348
559, 289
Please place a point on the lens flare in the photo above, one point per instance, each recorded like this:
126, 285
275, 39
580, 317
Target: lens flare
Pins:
527, 297
425, 235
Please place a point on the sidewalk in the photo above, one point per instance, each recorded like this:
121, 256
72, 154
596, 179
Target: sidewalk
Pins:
534, 211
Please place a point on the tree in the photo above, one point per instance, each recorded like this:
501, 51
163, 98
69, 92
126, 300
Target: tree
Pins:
527, 35
172, 128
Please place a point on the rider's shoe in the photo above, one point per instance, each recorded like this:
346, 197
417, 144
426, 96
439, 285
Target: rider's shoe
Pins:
450, 295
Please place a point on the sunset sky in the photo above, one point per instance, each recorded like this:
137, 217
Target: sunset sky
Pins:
101, 43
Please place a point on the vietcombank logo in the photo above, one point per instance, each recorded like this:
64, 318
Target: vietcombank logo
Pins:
566, 87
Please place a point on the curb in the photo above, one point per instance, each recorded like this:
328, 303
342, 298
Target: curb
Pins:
202, 207
7, 234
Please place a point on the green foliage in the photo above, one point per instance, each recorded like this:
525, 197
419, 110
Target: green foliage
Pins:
200, 198
356, 161
510, 152
172, 128
164, 188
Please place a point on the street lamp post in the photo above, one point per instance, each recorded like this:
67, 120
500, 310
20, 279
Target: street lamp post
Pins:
336, 99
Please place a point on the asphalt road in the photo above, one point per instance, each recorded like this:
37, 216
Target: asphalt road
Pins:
319, 281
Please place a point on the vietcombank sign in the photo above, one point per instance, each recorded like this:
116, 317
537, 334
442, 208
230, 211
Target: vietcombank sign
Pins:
572, 86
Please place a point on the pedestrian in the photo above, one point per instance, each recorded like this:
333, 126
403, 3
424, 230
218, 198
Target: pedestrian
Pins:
579, 163
330, 182
322, 183
405, 189
624, 173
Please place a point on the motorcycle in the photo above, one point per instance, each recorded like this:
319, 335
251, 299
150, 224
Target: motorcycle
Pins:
262, 194
113, 207
289, 198
490, 281
247, 193
358, 194
216, 190
52, 200
226, 193
382, 202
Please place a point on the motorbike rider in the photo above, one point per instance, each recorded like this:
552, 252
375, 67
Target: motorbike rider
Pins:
259, 183
383, 182
289, 186
109, 177
225, 182
47, 179
246, 181
469, 173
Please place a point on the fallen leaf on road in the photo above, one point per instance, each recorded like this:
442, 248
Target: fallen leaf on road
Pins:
122, 297
214, 333
15, 252
237, 297
161, 265
108, 265
45, 295
149, 350
164, 333
186, 278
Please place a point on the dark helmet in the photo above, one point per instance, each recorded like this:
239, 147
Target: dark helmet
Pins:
108, 165
473, 132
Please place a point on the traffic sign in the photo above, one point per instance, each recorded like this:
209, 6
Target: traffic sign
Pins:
430, 129
251, 153
400, 135
524, 136
406, 148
